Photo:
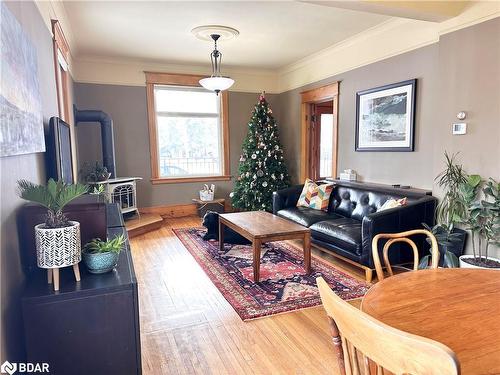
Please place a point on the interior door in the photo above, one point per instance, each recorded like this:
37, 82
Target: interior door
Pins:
322, 139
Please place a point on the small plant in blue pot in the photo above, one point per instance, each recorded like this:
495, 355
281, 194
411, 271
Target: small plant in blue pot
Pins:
102, 256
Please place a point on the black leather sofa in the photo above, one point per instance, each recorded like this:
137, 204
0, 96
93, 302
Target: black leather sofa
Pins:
353, 218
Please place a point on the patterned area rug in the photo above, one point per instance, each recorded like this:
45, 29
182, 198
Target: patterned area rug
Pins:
283, 285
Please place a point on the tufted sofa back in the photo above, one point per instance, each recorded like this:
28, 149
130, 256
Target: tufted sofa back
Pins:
356, 203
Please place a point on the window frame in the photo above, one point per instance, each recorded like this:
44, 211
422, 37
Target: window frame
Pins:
187, 80
62, 59
308, 99
61, 67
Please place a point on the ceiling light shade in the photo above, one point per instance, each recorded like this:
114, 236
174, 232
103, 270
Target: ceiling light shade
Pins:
216, 82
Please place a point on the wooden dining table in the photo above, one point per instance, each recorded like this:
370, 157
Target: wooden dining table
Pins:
458, 307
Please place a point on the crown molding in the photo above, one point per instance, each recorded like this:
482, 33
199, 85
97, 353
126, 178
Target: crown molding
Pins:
387, 39
390, 38
131, 73
480, 11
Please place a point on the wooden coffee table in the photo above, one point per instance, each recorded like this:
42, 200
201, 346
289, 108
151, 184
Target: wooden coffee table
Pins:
260, 227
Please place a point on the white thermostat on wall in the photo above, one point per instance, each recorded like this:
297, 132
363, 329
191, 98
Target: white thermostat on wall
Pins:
459, 128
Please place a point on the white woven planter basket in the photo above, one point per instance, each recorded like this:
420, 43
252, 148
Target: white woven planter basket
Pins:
58, 247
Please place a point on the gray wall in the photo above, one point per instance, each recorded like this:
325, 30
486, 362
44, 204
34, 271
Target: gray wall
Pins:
469, 80
13, 168
127, 107
460, 72
387, 167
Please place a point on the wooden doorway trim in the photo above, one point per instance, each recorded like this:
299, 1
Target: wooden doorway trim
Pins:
309, 97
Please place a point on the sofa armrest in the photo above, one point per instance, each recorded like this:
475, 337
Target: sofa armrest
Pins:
395, 220
286, 198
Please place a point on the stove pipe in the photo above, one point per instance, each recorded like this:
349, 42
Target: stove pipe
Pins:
108, 146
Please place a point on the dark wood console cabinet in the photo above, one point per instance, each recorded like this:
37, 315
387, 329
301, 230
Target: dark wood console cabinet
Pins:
89, 327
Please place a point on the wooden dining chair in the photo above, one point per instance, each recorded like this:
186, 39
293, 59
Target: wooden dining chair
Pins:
364, 345
401, 237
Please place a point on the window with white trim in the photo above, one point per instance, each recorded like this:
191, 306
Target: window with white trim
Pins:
188, 131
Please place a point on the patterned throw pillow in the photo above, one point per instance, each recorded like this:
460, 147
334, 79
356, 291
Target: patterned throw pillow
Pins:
392, 203
315, 196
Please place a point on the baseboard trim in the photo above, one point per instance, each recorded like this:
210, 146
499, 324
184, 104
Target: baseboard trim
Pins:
179, 210
171, 211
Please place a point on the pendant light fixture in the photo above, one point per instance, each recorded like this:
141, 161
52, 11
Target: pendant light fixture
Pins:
216, 82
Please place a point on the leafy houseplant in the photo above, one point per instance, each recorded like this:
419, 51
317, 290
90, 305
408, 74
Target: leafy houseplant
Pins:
54, 196
102, 256
482, 217
451, 208
92, 173
58, 239
449, 211
445, 240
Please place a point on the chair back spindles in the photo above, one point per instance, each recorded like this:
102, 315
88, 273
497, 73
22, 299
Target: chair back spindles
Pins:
381, 347
347, 357
366, 365
355, 360
401, 237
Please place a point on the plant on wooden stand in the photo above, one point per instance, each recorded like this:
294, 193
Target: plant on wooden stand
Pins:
482, 217
58, 239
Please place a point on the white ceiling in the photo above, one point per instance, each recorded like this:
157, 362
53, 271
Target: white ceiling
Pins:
272, 34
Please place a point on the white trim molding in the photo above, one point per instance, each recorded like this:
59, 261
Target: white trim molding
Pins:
131, 73
387, 39
390, 38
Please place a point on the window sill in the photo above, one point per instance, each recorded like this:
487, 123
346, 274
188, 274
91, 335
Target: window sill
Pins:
180, 180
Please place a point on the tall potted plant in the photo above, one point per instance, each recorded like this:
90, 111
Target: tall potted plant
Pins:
58, 239
449, 212
482, 217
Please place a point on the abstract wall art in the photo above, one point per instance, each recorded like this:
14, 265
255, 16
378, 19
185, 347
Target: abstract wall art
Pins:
21, 121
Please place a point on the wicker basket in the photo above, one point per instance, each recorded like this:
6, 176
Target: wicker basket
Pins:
58, 247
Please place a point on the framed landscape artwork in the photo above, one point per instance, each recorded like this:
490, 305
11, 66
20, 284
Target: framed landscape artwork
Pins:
385, 117
21, 121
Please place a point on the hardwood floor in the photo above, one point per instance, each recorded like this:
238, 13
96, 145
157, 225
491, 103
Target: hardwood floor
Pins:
187, 327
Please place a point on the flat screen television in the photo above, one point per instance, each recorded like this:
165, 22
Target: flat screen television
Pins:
59, 160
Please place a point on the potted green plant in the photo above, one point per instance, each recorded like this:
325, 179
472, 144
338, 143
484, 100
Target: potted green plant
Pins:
102, 256
482, 217
58, 239
445, 240
450, 209
91, 173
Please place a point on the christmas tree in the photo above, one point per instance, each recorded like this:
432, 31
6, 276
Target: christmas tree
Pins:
262, 169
